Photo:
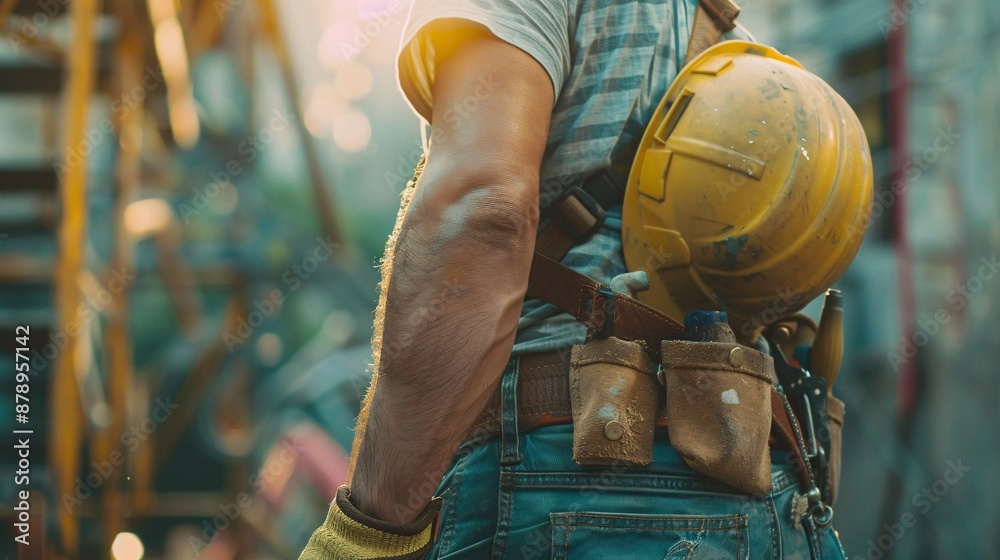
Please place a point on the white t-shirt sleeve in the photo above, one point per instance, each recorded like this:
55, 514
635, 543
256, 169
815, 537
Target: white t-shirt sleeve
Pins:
538, 27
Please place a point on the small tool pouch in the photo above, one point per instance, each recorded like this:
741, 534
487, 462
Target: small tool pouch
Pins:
614, 395
718, 410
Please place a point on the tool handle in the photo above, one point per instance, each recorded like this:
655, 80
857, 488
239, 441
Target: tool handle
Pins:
828, 348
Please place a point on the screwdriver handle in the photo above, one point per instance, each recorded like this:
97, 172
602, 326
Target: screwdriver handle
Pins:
828, 347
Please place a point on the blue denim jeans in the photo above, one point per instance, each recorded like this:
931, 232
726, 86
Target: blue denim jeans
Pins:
521, 496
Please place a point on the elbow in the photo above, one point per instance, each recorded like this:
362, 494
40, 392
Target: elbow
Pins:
487, 210
494, 217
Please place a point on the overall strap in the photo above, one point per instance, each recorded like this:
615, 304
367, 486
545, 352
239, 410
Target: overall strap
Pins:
713, 18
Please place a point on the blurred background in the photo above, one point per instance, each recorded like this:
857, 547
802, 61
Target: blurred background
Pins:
194, 196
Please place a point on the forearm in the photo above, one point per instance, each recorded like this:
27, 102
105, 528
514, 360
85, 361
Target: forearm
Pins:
453, 291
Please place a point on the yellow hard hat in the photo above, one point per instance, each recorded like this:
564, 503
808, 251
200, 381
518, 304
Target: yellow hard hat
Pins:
751, 189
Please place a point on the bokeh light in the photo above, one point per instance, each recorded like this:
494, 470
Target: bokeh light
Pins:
144, 217
353, 81
325, 103
269, 348
127, 546
334, 47
100, 414
352, 131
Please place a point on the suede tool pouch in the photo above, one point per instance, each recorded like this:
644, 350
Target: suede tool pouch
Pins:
718, 410
614, 395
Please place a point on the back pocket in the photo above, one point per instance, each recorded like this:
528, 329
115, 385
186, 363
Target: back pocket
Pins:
613, 536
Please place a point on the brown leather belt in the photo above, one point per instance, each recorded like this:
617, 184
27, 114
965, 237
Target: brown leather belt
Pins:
542, 395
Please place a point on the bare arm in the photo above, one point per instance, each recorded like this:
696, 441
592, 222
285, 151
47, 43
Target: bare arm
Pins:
455, 282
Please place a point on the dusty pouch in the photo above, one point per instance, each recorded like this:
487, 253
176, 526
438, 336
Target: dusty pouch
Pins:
614, 395
718, 410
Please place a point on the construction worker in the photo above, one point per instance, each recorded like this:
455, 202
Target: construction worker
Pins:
517, 415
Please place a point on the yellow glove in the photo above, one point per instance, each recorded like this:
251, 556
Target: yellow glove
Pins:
348, 534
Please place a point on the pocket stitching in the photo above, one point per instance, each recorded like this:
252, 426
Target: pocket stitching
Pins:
571, 521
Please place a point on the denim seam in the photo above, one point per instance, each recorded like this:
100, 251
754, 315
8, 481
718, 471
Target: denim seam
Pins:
652, 480
775, 528
448, 531
738, 524
739, 541
723, 523
510, 451
812, 537
505, 506
642, 528
565, 545
568, 530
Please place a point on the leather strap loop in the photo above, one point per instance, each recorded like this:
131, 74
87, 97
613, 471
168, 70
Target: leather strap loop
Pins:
573, 219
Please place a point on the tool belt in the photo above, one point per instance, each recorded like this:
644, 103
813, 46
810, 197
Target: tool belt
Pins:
722, 403
604, 435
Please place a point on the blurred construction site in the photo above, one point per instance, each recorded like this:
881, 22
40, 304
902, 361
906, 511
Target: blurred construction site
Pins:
194, 197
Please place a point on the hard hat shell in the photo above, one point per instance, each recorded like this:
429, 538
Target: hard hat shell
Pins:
751, 189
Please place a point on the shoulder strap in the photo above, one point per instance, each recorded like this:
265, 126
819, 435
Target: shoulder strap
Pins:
604, 187
713, 18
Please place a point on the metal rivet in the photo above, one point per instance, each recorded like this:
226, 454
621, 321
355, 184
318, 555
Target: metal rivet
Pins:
814, 495
736, 357
614, 430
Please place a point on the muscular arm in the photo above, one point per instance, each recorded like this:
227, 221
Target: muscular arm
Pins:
453, 286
